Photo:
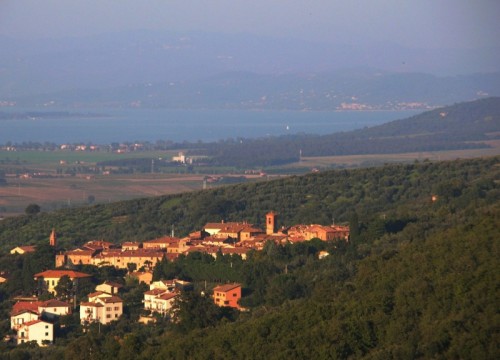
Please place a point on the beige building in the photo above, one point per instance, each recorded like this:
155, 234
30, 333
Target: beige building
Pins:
120, 259
159, 301
37, 330
50, 278
142, 276
26, 311
109, 287
102, 309
53, 308
21, 250
22, 317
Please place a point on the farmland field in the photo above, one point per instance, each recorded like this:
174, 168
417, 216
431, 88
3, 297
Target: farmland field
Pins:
58, 192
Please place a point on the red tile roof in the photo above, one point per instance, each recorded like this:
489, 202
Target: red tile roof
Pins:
227, 287
33, 322
54, 303
91, 304
155, 292
111, 300
21, 306
60, 273
97, 293
167, 296
163, 240
28, 248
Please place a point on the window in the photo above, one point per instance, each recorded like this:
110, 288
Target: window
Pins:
108, 308
116, 308
46, 334
234, 295
46, 326
108, 316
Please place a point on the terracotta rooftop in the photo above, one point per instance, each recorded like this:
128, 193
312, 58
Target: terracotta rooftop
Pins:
33, 322
227, 287
28, 248
155, 292
54, 303
92, 304
25, 305
167, 296
111, 299
163, 240
60, 273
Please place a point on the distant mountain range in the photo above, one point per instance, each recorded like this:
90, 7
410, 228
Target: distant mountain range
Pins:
200, 70
354, 90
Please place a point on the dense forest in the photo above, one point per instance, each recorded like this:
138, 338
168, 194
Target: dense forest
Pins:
418, 279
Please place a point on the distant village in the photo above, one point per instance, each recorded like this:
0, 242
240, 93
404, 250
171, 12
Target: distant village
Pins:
33, 320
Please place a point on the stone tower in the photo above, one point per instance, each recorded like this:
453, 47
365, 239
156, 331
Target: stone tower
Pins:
271, 223
53, 239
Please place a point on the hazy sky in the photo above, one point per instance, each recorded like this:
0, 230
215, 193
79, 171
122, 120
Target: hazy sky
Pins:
414, 23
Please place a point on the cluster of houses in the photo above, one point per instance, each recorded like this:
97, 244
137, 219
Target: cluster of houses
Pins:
227, 238
32, 320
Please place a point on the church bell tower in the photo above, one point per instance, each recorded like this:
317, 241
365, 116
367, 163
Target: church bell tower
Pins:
53, 239
271, 223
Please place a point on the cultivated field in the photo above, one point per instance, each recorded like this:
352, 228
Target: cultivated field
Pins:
56, 193
380, 159
81, 190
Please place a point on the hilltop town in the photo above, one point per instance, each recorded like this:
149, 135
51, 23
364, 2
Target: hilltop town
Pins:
33, 318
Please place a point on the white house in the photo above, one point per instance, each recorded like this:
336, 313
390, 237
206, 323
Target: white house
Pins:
18, 319
54, 308
37, 330
159, 300
101, 309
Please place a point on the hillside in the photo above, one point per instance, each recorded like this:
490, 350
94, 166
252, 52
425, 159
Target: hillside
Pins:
357, 89
461, 126
299, 199
419, 278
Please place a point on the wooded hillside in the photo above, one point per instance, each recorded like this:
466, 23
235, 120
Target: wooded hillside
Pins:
419, 278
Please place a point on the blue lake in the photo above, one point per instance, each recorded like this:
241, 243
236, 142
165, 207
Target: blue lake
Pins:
190, 125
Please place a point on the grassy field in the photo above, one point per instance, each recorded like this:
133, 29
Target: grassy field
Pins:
50, 160
380, 159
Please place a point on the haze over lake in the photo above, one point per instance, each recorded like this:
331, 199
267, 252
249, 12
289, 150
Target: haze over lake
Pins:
187, 125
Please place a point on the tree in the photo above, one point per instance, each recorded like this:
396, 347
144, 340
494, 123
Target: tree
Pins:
131, 267
194, 311
32, 209
64, 288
